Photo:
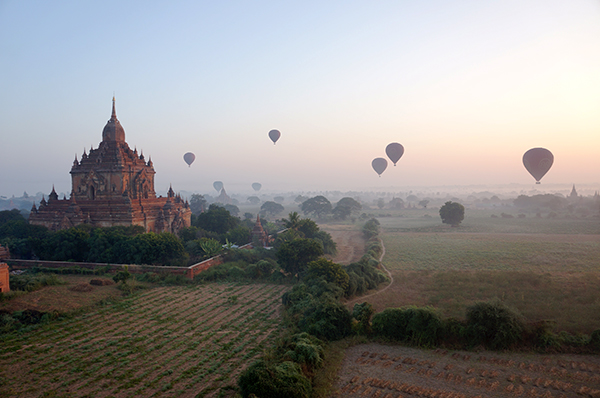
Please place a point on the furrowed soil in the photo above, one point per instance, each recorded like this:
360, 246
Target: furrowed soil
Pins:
536, 270
381, 371
181, 341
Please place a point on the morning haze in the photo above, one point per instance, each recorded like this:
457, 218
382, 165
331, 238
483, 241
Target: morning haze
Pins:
466, 87
199, 199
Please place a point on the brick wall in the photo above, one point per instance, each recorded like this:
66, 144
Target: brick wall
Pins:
4, 278
133, 268
189, 272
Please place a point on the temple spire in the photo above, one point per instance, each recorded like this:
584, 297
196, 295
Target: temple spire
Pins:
114, 112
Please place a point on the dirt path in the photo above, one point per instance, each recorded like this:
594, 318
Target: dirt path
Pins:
362, 298
350, 243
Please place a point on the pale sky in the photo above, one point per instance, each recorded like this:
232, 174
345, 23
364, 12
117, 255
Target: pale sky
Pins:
465, 86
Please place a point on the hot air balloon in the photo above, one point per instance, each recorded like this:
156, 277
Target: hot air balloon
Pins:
538, 161
379, 165
274, 135
394, 151
218, 185
257, 186
189, 158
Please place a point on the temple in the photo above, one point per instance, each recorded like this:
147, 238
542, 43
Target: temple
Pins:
113, 186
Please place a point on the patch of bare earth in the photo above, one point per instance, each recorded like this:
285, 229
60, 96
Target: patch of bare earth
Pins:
62, 298
350, 243
380, 371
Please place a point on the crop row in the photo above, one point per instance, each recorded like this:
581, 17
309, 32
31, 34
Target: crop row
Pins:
166, 341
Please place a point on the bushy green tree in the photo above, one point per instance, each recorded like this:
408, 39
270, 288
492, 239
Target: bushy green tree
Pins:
253, 200
327, 319
345, 207
452, 213
294, 256
329, 271
363, 313
494, 325
197, 203
305, 350
271, 208
371, 228
318, 206
417, 325
216, 219
266, 380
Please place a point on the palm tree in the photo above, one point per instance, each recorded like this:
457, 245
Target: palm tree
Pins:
293, 222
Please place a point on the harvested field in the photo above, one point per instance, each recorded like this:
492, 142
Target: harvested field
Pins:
171, 341
380, 371
538, 274
349, 240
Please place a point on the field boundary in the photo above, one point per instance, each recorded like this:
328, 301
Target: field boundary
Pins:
188, 272
387, 272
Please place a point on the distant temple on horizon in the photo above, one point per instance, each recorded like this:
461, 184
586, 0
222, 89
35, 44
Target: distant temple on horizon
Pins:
113, 186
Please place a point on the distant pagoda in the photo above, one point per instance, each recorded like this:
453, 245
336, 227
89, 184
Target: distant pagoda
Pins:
113, 185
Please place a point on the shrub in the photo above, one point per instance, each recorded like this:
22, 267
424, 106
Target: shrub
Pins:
363, 313
494, 325
595, 339
327, 319
305, 350
274, 381
30, 283
371, 228
417, 325
453, 331
330, 271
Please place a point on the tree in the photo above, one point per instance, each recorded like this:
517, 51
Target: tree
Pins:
345, 207
330, 271
452, 213
294, 256
412, 198
197, 203
380, 203
308, 228
271, 208
318, 206
253, 200
232, 209
293, 221
264, 379
423, 203
325, 239
363, 313
397, 203
216, 219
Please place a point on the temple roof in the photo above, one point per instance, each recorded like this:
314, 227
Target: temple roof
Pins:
113, 131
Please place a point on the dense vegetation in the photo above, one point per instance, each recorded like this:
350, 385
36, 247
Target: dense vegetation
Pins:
313, 316
125, 245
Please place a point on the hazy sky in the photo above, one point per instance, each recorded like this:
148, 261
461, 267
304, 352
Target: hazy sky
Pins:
466, 86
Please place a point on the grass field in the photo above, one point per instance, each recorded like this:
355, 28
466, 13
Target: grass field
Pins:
548, 269
170, 341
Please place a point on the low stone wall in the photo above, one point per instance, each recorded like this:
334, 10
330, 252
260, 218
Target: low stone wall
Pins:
189, 272
133, 268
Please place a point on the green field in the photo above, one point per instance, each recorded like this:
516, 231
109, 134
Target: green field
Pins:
548, 269
171, 341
